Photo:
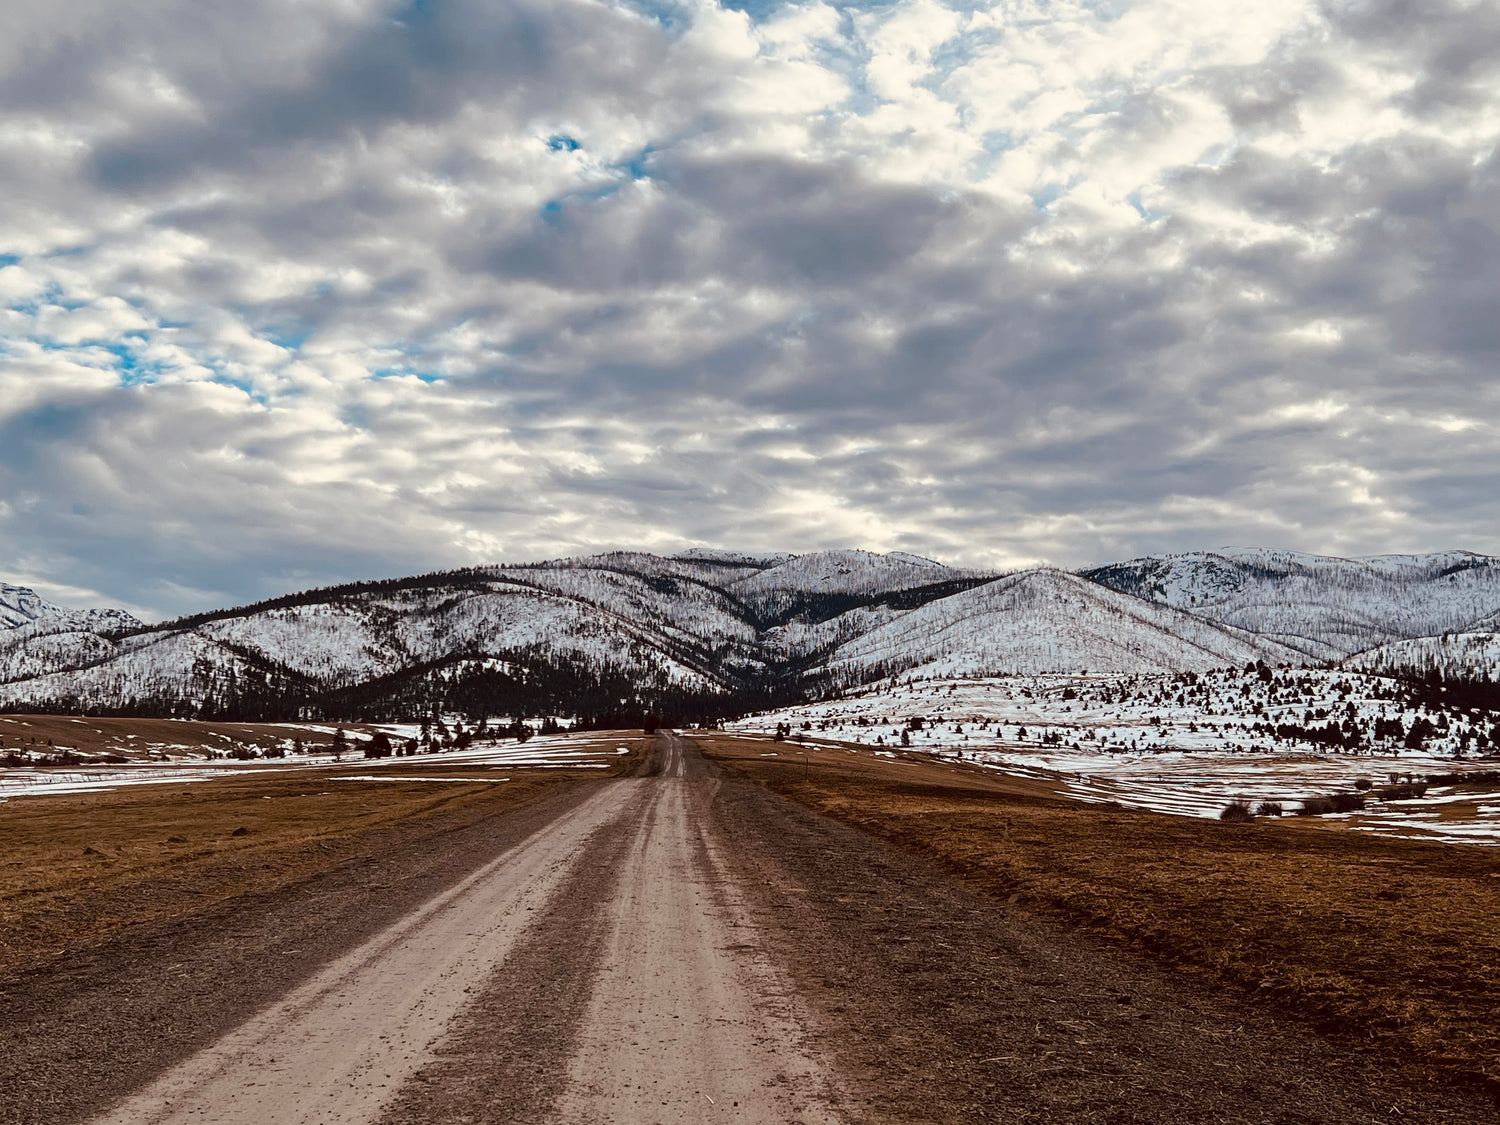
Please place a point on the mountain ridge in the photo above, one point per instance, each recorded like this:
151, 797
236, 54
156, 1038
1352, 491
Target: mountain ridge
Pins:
717, 630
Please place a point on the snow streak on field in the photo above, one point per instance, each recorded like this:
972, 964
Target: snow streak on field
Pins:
583, 751
1189, 745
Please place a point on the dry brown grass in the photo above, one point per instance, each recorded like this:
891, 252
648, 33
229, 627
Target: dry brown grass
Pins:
1389, 945
79, 867
134, 737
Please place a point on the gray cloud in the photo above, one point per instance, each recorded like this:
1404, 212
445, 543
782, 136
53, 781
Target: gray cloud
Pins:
302, 292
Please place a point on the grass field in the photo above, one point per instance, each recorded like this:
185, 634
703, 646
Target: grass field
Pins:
76, 868
170, 738
1386, 945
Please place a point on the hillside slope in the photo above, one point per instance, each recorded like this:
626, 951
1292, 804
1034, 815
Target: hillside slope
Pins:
1326, 607
493, 644
808, 589
37, 637
1042, 621
1454, 656
22, 607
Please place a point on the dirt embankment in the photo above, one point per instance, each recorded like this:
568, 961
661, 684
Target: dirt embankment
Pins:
1387, 947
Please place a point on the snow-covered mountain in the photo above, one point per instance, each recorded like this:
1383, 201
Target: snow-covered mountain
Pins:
494, 640
1464, 656
1325, 607
828, 580
707, 631
1047, 621
37, 637
21, 606
608, 630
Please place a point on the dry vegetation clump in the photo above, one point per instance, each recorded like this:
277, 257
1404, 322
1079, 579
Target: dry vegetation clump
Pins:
1334, 803
1405, 791
1388, 945
1237, 812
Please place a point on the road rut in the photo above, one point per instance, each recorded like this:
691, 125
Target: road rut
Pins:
338, 1047
689, 1021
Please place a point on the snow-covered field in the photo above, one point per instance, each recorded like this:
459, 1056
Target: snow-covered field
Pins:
1185, 745
562, 751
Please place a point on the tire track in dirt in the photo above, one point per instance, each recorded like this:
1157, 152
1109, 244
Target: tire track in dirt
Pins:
337, 1048
101, 1023
504, 1058
641, 996
689, 1020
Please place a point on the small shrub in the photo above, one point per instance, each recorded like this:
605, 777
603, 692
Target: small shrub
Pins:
1408, 791
1237, 812
1268, 808
1337, 803
1363, 784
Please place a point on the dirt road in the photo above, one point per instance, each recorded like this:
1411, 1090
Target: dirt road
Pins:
675, 947
687, 1021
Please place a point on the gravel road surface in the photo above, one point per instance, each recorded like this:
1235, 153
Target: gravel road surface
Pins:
338, 1047
687, 1019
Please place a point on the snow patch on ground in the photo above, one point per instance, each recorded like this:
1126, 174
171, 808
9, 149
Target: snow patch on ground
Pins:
1172, 745
542, 752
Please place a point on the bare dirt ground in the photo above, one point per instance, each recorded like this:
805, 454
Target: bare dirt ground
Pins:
138, 739
680, 946
942, 1004
1389, 948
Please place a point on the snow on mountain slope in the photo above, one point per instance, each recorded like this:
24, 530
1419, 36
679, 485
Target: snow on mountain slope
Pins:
858, 572
1470, 656
802, 640
21, 606
1046, 621
821, 585
758, 560
173, 666
340, 643
25, 653
1341, 606
506, 621
677, 599
38, 638
717, 571
716, 622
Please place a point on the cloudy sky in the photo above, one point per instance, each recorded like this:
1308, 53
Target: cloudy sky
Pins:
297, 291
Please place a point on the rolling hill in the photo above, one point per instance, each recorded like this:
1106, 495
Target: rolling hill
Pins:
1325, 607
709, 632
1044, 621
